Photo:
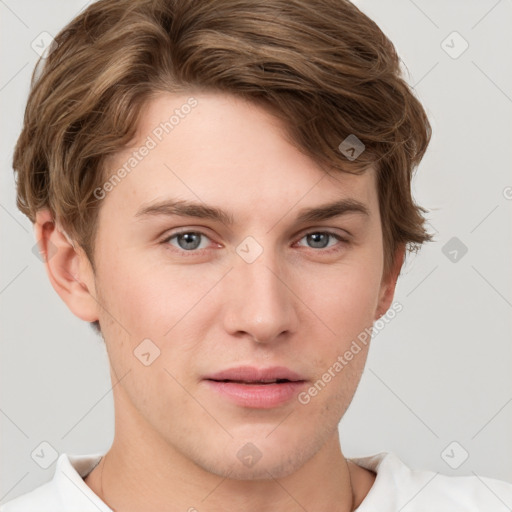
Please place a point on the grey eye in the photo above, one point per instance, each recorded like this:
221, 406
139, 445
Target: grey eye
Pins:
318, 240
187, 241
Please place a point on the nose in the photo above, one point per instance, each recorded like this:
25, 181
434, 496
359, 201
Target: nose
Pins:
262, 305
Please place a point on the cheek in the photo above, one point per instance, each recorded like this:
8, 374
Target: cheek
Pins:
345, 298
142, 314
146, 296
166, 303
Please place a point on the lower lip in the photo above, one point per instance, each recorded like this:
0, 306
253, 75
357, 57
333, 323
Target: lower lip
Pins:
258, 396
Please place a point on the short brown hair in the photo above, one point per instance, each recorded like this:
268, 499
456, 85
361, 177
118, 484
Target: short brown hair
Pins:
322, 66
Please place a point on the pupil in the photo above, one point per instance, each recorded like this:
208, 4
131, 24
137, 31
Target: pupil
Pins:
191, 240
318, 240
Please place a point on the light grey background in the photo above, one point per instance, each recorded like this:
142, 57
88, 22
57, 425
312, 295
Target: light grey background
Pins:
438, 373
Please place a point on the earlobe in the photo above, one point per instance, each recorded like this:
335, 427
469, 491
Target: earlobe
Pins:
388, 285
67, 267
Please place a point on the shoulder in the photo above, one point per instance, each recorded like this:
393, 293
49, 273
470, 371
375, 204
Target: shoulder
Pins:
397, 486
66, 492
38, 500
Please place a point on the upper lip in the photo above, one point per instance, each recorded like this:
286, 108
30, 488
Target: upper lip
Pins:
253, 374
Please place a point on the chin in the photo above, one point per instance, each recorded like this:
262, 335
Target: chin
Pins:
257, 458
260, 471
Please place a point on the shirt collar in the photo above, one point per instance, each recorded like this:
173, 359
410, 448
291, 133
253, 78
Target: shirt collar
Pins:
74, 493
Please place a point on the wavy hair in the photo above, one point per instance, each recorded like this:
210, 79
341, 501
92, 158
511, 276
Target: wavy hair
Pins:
322, 66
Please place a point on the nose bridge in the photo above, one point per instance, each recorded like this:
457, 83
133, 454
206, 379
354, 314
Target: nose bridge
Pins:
262, 305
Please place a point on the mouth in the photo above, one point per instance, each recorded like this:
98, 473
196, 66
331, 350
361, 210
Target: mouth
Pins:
253, 375
256, 388
256, 382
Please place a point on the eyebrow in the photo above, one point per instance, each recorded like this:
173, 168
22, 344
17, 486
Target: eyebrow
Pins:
186, 208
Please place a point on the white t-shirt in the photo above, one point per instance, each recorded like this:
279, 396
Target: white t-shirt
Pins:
396, 488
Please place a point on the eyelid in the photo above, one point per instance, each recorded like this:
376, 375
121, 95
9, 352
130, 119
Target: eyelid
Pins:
179, 231
174, 234
336, 232
191, 229
342, 238
165, 240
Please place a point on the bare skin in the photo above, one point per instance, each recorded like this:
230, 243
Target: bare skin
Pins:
361, 478
299, 304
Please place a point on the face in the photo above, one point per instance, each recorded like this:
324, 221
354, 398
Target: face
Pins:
216, 252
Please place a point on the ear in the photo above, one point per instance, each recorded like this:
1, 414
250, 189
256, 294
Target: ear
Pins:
388, 284
67, 267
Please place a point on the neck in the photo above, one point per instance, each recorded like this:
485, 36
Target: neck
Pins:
128, 479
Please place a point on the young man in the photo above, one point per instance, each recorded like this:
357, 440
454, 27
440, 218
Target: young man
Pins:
223, 189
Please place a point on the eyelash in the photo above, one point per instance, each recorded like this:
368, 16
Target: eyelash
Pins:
195, 252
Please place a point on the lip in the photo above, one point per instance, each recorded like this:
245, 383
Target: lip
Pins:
245, 387
253, 374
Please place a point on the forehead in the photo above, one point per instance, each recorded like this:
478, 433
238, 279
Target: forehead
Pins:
220, 149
